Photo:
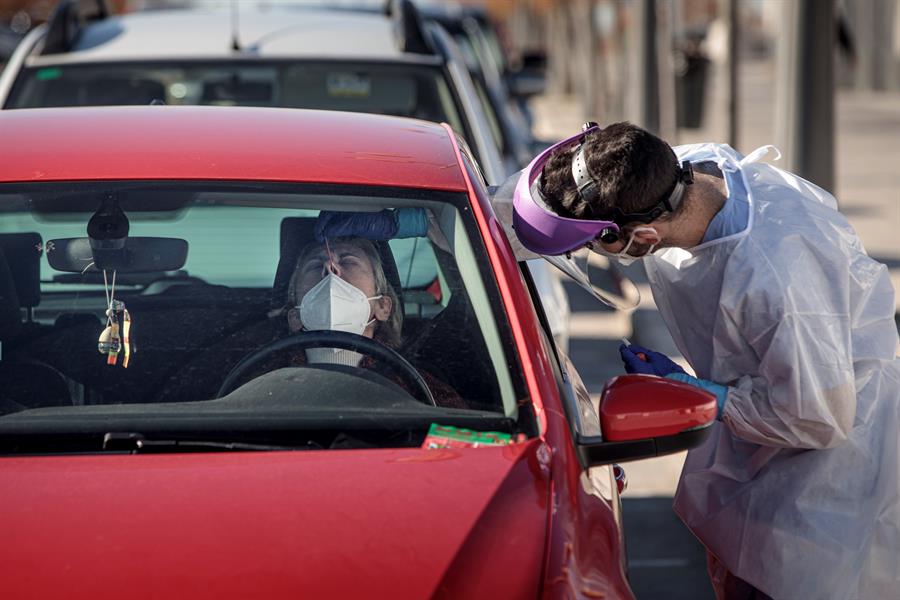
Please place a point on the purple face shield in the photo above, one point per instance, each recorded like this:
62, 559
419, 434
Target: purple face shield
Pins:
539, 228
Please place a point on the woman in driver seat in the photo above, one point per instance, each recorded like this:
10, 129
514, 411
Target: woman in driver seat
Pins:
340, 285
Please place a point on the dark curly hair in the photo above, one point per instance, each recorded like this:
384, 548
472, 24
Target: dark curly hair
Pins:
634, 168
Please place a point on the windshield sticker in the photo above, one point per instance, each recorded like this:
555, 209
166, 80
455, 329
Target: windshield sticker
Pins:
48, 74
348, 85
445, 436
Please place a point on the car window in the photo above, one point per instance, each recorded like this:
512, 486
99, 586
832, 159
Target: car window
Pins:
212, 273
490, 115
399, 90
494, 46
468, 50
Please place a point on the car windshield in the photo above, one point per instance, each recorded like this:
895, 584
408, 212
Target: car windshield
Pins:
212, 311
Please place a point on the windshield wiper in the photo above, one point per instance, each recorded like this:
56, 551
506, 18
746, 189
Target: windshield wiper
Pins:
136, 442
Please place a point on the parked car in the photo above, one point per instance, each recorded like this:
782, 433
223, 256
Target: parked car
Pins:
207, 469
478, 41
510, 127
298, 57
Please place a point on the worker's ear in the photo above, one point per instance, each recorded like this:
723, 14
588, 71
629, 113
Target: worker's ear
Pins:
648, 235
381, 308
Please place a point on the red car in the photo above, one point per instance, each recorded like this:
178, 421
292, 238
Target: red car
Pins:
172, 426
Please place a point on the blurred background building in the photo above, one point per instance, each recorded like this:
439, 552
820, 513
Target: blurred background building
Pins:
675, 66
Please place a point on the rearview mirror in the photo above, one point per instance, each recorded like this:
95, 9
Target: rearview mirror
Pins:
525, 84
139, 255
534, 60
530, 78
236, 91
642, 416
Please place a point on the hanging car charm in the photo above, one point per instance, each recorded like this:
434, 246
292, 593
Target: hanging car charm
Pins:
117, 334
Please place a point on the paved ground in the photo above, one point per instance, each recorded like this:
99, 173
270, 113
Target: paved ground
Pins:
665, 560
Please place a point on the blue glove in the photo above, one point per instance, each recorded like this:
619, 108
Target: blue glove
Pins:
654, 363
719, 390
411, 222
382, 225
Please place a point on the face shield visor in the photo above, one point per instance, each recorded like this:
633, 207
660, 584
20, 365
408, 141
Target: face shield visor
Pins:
563, 241
539, 228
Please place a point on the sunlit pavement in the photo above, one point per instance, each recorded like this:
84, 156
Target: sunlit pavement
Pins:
665, 559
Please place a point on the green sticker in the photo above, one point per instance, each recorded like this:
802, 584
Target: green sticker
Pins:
48, 74
446, 436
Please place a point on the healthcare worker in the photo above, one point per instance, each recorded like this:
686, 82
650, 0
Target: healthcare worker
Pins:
771, 298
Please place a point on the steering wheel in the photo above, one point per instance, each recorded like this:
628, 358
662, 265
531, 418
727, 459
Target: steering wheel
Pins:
330, 339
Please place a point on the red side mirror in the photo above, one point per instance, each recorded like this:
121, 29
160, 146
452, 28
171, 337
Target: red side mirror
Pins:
634, 407
643, 416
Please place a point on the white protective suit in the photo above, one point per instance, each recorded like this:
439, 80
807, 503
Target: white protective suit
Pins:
797, 490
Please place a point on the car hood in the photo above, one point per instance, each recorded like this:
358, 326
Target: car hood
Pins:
340, 523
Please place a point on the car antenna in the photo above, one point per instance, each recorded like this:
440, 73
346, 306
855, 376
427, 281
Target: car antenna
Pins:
235, 39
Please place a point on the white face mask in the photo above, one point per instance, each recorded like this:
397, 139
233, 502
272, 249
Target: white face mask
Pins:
334, 304
626, 259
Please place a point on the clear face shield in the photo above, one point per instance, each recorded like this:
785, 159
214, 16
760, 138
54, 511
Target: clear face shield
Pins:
597, 275
565, 243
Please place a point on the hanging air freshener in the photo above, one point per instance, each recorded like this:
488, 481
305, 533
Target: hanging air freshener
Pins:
126, 335
110, 340
115, 342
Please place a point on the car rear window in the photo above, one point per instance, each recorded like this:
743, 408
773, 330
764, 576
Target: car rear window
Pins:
400, 90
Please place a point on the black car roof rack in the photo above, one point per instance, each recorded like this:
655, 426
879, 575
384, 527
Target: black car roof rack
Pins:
68, 20
409, 28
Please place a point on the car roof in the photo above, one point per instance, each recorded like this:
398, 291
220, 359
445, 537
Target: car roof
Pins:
226, 143
304, 32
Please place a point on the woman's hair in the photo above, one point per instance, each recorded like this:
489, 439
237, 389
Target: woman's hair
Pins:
387, 332
633, 168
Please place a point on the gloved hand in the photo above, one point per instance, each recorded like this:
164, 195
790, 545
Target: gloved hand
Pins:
382, 225
654, 363
719, 390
